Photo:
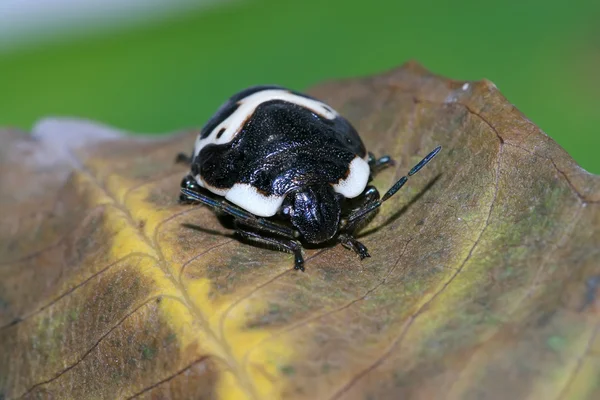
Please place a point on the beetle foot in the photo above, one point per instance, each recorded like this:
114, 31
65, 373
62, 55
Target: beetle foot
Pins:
183, 158
183, 199
378, 164
298, 262
279, 243
351, 243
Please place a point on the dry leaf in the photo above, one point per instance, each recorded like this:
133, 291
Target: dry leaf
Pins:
483, 279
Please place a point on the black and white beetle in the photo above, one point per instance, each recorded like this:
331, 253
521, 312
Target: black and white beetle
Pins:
288, 168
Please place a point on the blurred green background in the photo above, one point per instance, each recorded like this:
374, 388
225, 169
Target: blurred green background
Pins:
172, 73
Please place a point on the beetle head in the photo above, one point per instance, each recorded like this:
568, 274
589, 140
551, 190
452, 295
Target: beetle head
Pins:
315, 211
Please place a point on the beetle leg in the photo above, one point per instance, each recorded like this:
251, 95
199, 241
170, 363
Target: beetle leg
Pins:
377, 164
285, 245
349, 242
190, 183
183, 158
191, 191
370, 195
238, 213
358, 215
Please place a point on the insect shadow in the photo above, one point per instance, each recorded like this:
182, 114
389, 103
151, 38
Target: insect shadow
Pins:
401, 211
199, 228
228, 222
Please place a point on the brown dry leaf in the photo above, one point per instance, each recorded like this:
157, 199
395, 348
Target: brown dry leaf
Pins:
483, 279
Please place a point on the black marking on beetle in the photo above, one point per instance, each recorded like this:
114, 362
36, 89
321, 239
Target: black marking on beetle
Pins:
300, 170
345, 176
230, 106
281, 147
224, 112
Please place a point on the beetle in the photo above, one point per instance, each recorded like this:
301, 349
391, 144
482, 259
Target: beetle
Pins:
289, 169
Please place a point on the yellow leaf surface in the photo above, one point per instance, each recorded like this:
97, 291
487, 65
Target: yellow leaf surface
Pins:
482, 283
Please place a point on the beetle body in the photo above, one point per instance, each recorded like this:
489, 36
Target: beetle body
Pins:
285, 166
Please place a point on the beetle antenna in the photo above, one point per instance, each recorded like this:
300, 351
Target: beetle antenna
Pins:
357, 215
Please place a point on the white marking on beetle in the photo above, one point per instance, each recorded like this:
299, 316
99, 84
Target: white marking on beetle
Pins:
247, 197
465, 87
356, 181
234, 123
220, 192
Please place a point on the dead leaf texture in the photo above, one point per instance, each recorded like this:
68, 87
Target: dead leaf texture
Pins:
483, 279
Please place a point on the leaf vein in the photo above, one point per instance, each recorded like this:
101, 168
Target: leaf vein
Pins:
305, 321
409, 322
75, 287
170, 377
96, 344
